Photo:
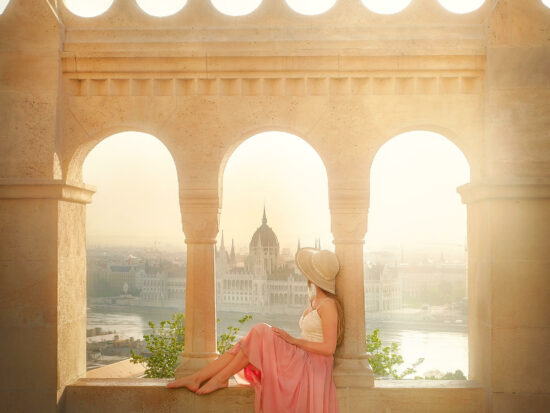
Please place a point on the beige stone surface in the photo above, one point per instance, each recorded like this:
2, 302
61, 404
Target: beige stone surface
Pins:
346, 81
150, 395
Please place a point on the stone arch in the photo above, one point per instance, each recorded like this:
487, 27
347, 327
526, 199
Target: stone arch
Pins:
78, 156
451, 135
249, 133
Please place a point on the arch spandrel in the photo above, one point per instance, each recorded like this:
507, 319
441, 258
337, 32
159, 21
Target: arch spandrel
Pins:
88, 120
75, 160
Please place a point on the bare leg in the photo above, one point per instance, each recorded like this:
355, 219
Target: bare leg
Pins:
193, 381
220, 379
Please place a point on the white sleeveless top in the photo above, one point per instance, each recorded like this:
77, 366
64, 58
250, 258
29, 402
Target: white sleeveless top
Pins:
311, 327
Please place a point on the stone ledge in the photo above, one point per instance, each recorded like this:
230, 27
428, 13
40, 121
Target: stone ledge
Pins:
46, 189
388, 396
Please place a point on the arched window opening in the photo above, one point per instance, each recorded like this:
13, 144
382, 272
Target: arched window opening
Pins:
415, 252
161, 8
546, 3
310, 7
386, 6
3, 5
236, 7
88, 8
461, 6
275, 200
134, 244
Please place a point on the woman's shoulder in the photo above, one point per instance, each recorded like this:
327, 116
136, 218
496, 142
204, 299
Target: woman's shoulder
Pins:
327, 303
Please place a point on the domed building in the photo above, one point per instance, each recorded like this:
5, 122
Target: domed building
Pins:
261, 282
263, 254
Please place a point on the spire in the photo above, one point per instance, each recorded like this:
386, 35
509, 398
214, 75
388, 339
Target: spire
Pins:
222, 246
232, 255
298, 249
264, 219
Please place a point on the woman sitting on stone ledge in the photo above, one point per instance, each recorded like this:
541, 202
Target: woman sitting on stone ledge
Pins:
288, 374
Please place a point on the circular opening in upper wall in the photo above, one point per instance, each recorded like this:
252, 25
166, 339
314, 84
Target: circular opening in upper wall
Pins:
236, 7
386, 6
546, 3
161, 8
310, 7
461, 6
3, 5
88, 8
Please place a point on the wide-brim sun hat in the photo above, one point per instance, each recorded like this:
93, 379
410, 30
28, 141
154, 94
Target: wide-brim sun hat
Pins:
318, 266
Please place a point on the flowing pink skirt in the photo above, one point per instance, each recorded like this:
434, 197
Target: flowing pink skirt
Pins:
286, 378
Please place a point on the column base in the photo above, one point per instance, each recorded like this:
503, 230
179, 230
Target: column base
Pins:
192, 362
353, 372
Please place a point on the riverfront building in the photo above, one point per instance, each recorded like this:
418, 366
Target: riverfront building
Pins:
263, 281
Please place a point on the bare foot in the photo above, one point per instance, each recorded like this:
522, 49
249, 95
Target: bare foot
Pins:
188, 381
212, 385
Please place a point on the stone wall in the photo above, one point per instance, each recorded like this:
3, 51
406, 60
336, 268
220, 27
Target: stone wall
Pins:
346, 82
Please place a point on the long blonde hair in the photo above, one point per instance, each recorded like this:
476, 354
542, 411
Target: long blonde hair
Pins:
341, 323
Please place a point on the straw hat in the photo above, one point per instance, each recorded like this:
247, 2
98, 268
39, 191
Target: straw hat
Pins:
318, 266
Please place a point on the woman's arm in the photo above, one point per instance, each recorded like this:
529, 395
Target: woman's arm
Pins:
329, 320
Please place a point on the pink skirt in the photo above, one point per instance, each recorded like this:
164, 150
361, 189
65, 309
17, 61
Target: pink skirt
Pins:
286, 378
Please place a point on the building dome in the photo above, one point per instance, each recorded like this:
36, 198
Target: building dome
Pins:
264, 236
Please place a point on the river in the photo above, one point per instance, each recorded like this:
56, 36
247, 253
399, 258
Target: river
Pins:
443, 347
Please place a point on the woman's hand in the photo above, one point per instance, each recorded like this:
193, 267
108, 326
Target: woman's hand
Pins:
284, 335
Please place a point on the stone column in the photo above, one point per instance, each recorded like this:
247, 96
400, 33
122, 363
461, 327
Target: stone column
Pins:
200, 217
349, 209
509, 292
509, 215
43, 291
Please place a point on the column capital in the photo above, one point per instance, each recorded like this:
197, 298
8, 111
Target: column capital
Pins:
46, 189
200, 214
515, 189
349, 214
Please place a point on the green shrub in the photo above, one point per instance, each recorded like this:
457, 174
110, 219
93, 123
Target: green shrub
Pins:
227, 340
385, 360
166, 343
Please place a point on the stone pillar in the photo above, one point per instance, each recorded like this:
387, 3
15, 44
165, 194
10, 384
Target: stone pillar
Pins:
509, 292
43, 291
509, 215
349, 209
200, 218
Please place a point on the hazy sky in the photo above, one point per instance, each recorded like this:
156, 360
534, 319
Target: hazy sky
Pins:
413, 192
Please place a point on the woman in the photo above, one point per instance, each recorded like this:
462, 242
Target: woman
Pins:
288, 374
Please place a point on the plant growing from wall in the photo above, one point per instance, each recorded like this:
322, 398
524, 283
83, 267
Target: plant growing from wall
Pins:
166, 343
227, 339
385, 360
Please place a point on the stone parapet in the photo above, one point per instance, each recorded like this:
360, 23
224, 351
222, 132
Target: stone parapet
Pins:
150, 395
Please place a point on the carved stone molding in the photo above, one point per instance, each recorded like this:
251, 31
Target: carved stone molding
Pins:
200, 213
292, 85
349, 214
46, 189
